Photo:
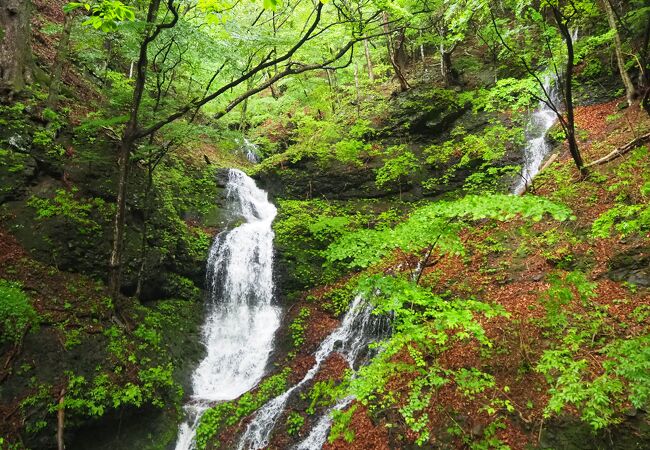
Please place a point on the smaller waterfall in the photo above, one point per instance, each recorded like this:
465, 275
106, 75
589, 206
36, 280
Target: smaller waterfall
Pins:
318, 435
242, 320
250, 151
541, 121
357, 329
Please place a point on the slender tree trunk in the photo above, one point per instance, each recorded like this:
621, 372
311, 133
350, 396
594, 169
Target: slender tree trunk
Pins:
371, 74
59, 61
644, 74
330, 83
15, 46
145, 227
115, 264
60, 421
125, 148
568, 99
445, 66
356, 87
630, 90
568, 92
422, 51
404, 85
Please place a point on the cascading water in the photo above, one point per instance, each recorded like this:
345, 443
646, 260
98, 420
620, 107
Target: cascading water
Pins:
318, 435
541, 121
250, 151
241, 322
357, 329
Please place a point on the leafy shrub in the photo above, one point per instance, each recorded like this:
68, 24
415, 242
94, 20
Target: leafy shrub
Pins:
399, 164
438, 223
297, 328
341, 425
294, 423
79, 212
16, 312
600, 396
230, 413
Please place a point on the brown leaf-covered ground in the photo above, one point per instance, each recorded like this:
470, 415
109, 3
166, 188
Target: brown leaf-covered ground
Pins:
516, 282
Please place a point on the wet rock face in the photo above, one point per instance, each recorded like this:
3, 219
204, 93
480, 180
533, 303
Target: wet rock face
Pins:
418, 118
424, 112
571, 434
632, 266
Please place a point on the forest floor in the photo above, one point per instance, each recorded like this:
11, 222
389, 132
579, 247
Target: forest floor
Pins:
510, 264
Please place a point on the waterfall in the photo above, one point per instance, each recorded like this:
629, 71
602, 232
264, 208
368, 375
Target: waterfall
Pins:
318, 435
541, 121
357, 329
250, 151
241, 321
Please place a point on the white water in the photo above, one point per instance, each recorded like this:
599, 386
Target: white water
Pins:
541, 121
356, 331
319, 433
250, 151
238, 333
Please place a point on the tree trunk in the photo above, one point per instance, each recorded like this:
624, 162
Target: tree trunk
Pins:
356, 88
115, 263
59, 61
630, 90
371, 74
445, 67
125, 148
60, 421
568, 92
392, 53
15, 46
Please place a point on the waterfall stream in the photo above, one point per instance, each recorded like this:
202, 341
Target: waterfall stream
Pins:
541, 121
241, 320
357, 329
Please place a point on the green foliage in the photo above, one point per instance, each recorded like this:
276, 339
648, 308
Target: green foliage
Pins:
327, 228
630, 360
625, 219
463, 150
105, 15
561, 292
419, 397
572, 387
16, 312
338, 299
341, 425
349, 151
77, 212
102, 394
294, 423
297, 328
323, 394
507, 94
399, 164
438, 223
177, 286
304, 229
424, 325
230, 413
599, 395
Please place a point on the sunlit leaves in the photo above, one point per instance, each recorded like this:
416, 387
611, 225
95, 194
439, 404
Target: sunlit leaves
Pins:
439, 223
105, 15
